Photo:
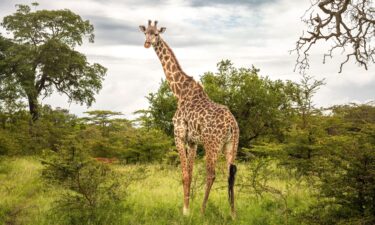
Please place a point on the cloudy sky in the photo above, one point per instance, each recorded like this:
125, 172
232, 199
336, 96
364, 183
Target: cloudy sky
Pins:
201, 33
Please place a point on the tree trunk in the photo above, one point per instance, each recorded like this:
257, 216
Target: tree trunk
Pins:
33, 107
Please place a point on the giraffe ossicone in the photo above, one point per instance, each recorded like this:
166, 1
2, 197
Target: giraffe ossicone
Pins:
198, 120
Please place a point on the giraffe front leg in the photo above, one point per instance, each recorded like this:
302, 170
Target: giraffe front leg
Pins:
192, 152
180, 144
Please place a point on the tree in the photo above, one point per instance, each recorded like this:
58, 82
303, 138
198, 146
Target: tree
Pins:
349, 25
162, 107
261, 106
103, 119
301, 144
40, 57
308, 88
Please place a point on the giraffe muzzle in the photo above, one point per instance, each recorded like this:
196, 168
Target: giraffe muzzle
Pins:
147, 44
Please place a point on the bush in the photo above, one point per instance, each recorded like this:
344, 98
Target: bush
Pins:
145, 145
345, 167
92, 192
7, 143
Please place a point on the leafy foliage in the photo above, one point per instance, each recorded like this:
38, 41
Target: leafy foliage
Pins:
162, 107
7, 145
306, 108
118, 138
261, 106
145, 145
346, 168
103, 120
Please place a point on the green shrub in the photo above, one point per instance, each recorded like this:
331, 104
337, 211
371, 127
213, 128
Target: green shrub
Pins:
92, 192
345, 166
8, 145
145, 145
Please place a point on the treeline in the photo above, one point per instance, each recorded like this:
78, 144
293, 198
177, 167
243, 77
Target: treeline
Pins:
101, 134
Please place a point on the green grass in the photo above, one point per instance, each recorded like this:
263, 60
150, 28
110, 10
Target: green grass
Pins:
154, 198
24, 198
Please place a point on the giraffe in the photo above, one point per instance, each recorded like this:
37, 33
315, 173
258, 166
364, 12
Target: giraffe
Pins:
197, 120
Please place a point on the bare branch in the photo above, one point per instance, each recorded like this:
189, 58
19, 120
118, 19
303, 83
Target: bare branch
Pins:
348, 24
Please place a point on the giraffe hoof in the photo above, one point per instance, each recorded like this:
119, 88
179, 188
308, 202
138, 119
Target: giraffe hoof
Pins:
233, 215
185, 211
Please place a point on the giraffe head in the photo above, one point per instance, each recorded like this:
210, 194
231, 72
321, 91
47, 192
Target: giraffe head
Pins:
152, 33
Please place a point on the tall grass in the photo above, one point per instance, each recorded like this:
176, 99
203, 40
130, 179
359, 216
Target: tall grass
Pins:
24, 199
154, 196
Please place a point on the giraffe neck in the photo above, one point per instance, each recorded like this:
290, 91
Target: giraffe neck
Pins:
181, 84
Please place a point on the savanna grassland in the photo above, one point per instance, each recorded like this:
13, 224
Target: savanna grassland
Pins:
155, 197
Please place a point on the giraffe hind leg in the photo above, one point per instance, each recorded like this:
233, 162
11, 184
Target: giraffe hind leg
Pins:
191, 154
209, 183
210, 168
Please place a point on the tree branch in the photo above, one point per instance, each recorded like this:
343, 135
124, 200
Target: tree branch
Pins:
349, 24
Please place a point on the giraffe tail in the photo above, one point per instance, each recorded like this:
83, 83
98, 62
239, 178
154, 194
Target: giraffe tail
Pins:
232, 168
231, 179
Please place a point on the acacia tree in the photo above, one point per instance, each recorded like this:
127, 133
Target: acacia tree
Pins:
348, 24
308, 87
40, 57
103, 119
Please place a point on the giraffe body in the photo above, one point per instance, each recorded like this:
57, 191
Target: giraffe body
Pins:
198, 120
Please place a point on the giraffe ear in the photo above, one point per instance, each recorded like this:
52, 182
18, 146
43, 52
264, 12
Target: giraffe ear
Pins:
142, 28
162, 30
